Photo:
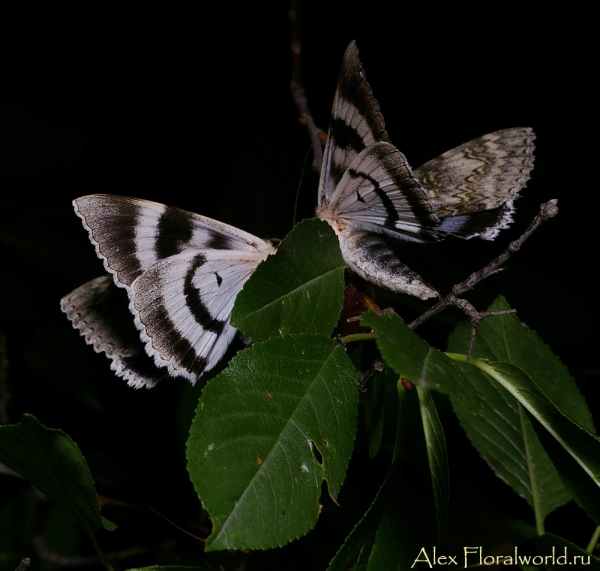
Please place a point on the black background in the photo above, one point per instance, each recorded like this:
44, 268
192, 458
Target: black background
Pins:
191, 107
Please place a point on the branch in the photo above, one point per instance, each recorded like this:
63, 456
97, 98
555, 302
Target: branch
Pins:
365, 376
476, 318
24, 565
547, 210
317, 136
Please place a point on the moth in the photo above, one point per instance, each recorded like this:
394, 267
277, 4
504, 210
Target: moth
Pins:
368, 191
181, 273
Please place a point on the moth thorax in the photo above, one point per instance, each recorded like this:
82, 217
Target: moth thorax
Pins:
271, 247
324, 213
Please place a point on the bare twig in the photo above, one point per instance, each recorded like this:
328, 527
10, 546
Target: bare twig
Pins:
24, 565
177, 527
547, 210
376, 367
476, 317
317, 135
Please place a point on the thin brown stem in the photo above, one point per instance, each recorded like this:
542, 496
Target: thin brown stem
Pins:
24, 565
317, 135
547, 210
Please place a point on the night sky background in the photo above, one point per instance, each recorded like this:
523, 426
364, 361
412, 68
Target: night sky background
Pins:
192, 108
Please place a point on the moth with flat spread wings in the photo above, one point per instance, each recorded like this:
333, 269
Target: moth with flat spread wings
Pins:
181, 272
367, 189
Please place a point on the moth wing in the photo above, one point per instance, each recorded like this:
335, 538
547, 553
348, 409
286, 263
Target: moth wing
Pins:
485, 174
131, 235
356, 123
182, 307
99, 311
379, 193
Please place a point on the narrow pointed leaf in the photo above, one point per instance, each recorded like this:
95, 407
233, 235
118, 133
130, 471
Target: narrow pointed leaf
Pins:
574, 450
298, 290
413, 358
506, 338
268, 430
373, 401
559, 553
400, 520
502, 433
435, 443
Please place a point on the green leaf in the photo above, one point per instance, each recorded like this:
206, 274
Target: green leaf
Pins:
506, 338
268, 430
373, 401
574, 450
379, 540
559, 553
400, 519
303, 280
53, 463
502, 433
435, 444
414, 359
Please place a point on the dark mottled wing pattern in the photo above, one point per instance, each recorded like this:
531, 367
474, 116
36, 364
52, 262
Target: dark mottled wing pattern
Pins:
481, 177
181, 271
367, 186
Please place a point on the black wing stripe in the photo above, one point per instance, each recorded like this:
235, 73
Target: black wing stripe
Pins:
173, 345
392, 215
174, 232
218, 242
194, 301
346, 137
391, 179
354, 95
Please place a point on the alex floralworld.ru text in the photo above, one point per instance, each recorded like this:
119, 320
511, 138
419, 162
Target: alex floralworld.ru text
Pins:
475, 556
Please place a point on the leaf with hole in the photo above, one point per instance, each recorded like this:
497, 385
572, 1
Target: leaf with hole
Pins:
268, 431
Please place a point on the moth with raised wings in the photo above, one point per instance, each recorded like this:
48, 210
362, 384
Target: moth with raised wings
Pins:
181, 272
367, 189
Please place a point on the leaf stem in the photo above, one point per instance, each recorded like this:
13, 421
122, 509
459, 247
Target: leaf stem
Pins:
359, 337
594, 540
461, 357
99, 553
